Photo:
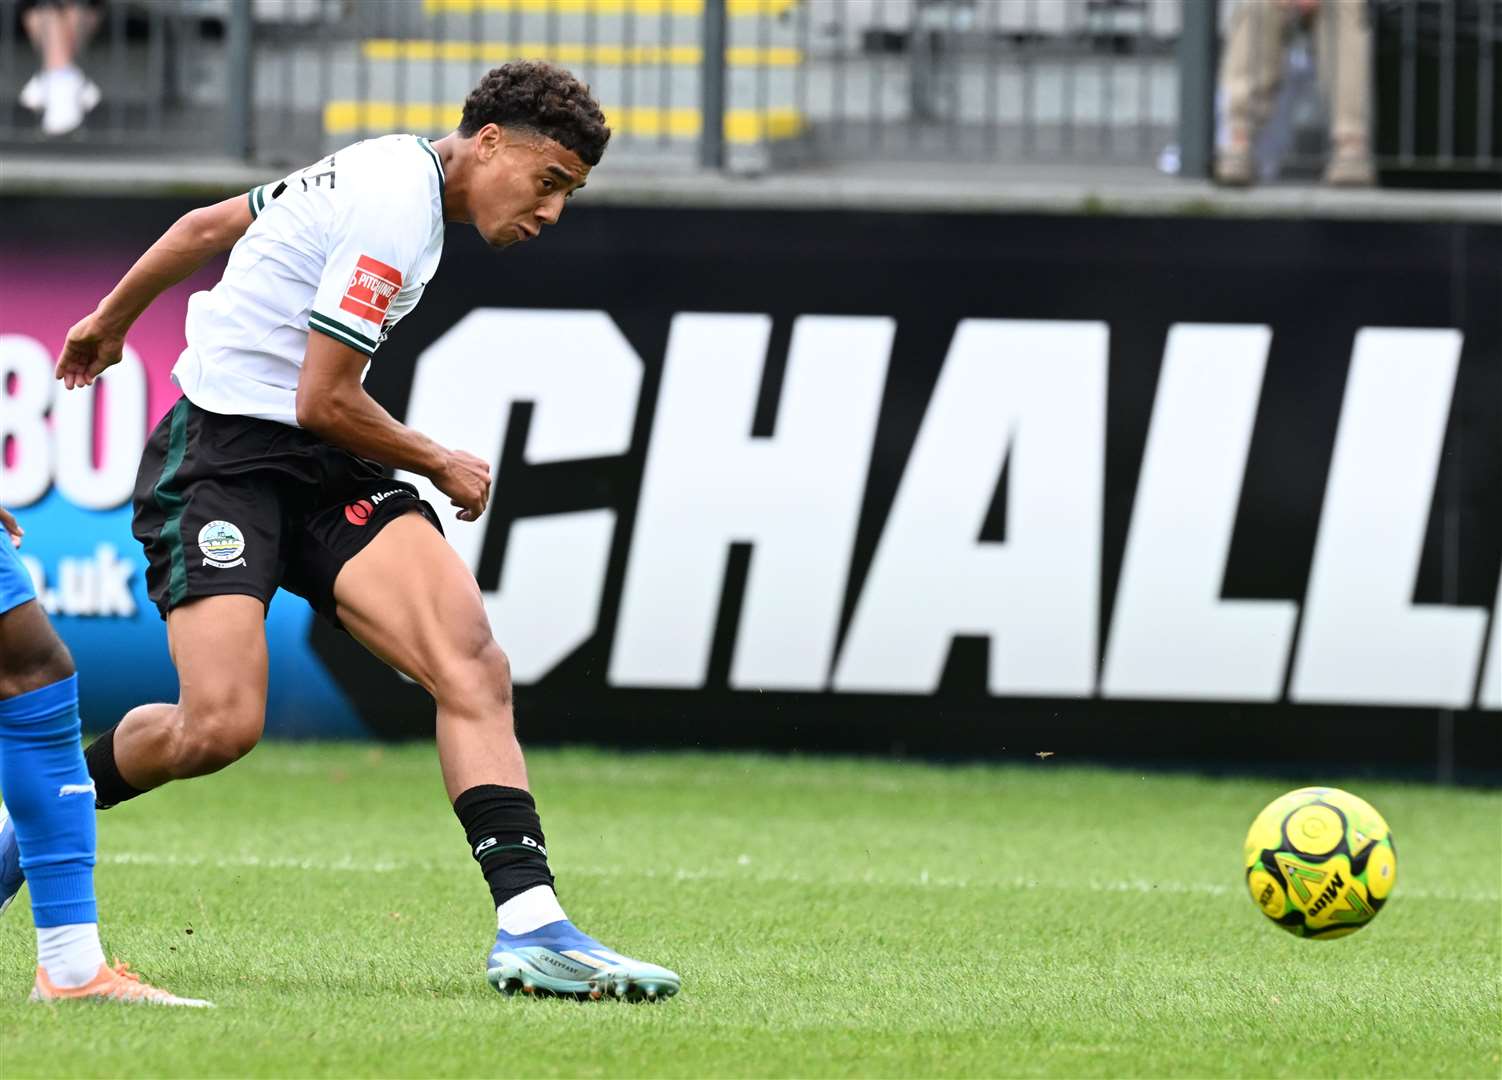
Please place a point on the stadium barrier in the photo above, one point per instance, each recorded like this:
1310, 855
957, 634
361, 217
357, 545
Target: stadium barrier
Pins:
750, 86
1204, 490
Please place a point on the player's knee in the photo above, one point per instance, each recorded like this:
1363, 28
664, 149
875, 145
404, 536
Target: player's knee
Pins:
489, 673
41, 662
54, 667
478, 674
210, 738
495, 668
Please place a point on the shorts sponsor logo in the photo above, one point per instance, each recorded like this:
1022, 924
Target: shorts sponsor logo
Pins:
382, 496
358, 512
370, 289
222, 544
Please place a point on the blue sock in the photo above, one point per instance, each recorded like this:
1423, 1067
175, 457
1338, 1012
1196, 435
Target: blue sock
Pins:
51, 801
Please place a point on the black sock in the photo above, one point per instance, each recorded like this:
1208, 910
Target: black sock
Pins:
110, 787
505, 838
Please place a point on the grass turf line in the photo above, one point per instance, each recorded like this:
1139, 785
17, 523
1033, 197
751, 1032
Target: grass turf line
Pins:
830, 917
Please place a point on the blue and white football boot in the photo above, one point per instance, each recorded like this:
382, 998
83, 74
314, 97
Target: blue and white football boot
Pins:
11, 878
559, 959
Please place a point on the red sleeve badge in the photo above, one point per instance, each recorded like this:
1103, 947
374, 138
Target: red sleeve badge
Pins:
370, 289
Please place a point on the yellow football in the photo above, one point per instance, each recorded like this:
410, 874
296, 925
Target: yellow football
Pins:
1320, 862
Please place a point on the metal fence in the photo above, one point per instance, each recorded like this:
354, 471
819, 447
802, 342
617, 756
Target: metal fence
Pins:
1438, 100
756, 84
989, 79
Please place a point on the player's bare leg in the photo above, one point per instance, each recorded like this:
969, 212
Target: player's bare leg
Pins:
218, 645
410, 599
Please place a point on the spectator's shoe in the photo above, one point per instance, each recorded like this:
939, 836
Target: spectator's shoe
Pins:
558, 959
33, 95
1351, 166
1233, 167
65, 93
89, 95
11, 878
116, 983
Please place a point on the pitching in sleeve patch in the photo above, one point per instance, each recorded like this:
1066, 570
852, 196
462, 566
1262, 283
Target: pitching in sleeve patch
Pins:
370, 289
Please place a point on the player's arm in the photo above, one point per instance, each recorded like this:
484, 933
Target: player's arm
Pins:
332, 404
95, 342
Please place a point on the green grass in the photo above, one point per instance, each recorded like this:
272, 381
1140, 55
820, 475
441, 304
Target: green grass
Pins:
829, 917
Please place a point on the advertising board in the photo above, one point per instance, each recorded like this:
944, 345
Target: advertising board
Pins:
1122, 488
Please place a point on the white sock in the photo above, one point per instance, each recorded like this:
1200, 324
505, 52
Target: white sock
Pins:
71, 955
527, 911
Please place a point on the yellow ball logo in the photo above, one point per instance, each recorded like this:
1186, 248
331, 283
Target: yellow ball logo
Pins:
1267, 893
1314, 830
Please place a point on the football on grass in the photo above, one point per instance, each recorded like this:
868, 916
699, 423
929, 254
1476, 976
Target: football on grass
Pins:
1320, 862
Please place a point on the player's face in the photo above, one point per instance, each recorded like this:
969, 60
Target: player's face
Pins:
522, 186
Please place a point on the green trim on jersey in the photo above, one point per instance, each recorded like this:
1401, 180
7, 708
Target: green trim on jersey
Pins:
257, 199
341, 333
172, 502
437, 164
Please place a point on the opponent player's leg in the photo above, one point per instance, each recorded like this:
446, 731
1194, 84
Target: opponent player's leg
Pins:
47, 825
218, 645
409, 598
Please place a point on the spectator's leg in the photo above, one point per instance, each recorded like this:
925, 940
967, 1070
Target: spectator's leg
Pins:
38, 30
82, 21
1344, 43
51, 32
59, 31
1250, 71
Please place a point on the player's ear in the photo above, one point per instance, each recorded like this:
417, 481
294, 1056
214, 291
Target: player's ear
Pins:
488, 140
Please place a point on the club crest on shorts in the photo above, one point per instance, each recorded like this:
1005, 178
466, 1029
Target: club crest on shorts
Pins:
222, 544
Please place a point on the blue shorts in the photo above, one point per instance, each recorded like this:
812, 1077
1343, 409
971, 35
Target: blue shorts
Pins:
15, 582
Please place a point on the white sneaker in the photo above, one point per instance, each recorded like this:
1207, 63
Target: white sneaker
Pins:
64, 110
34, 94
88, 95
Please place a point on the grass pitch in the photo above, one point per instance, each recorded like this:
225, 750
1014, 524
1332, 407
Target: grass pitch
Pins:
829, 918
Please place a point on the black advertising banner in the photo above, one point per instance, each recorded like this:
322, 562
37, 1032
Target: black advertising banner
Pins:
1220, 491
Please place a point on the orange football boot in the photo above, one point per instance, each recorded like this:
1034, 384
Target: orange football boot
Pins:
116, 983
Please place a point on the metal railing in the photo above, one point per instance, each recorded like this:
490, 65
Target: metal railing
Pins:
753, 84
989, 79
1439, 80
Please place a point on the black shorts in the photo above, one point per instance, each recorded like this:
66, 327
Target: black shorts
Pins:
231, 505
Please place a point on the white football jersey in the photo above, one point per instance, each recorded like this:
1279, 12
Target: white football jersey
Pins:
343, 247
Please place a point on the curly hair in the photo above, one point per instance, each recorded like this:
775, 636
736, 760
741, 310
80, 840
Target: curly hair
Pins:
537, 96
